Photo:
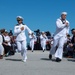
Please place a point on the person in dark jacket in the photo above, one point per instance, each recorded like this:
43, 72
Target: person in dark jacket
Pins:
71, 46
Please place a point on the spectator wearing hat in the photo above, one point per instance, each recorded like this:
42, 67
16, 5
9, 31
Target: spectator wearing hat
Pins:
6, 43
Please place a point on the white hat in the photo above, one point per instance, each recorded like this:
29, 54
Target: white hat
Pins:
43, 32
19, 17
65, 13
5, 30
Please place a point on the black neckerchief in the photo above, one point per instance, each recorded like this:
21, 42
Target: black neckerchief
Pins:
3, 38
63, 21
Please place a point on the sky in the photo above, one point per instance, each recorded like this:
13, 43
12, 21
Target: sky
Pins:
37, 14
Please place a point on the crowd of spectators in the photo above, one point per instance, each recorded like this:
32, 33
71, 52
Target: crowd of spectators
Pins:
8, 45
69, 46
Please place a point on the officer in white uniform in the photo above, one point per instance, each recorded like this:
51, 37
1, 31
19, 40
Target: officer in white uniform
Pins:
32, 41
43, 39
62, 29
19, 31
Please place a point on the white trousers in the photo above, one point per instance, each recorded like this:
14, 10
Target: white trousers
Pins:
32, 45
58, 41
22, 47
43, 44
1, 50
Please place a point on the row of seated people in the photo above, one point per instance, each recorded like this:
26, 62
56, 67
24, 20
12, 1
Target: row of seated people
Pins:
7, 41
69, 46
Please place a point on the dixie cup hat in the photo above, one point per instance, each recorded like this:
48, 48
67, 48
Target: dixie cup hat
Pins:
64, 13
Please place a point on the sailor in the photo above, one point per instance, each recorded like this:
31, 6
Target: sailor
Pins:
19, 31
62, 29
32, 41
43, 39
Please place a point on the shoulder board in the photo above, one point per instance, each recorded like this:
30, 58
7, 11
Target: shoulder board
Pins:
24, 24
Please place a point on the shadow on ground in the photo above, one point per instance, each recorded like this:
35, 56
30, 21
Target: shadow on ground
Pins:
73, 60
13, 59
47, 59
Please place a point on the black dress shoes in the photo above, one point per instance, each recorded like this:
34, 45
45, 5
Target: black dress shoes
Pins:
58, 59
32, 50
50, 56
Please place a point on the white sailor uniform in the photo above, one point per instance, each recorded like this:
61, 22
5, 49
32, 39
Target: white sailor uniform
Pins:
59, 38
32, 41
21, 39
43, 39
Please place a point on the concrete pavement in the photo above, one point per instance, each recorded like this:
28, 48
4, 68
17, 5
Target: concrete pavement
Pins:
37, 64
